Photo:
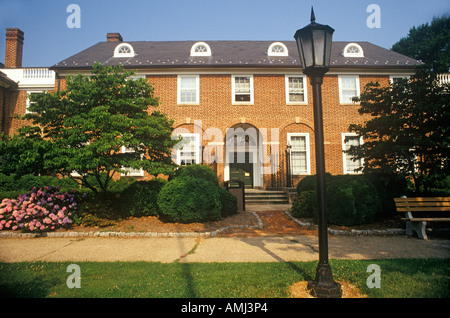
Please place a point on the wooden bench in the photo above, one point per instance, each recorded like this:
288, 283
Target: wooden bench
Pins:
436, 208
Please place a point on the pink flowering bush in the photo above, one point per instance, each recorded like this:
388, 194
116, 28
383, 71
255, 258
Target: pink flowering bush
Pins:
41, 210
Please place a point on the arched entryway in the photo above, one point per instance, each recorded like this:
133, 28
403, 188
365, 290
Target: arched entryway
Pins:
243, 146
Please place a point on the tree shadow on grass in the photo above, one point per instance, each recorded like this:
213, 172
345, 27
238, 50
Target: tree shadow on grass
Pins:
37, 288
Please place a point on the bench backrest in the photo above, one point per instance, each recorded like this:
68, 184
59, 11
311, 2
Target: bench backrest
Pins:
423, 204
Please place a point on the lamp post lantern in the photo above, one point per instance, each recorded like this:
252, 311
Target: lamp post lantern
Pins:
314, 47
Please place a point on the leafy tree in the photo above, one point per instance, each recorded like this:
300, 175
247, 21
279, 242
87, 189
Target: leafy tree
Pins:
86, 126
409, 133
428, 43
23, 153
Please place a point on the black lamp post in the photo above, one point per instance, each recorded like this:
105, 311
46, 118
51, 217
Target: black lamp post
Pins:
314, 47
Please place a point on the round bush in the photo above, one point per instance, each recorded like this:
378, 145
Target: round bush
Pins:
196, 171
140, 198
228, 202
188, 199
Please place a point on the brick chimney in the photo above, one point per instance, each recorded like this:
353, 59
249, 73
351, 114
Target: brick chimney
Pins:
14, 47
114, 37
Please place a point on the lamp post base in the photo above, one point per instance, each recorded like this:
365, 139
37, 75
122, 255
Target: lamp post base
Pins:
324, 286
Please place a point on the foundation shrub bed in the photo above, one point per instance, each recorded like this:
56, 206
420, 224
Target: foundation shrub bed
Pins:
351, 200
193, 196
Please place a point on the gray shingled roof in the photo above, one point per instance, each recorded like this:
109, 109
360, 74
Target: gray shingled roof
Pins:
168, 54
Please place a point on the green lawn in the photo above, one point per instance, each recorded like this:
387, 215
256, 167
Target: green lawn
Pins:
403, 278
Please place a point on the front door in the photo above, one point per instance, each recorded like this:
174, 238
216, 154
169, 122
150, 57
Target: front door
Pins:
241, 168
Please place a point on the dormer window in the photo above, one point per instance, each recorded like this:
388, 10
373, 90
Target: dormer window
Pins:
353, 50
278, 49
200, 49
124, 50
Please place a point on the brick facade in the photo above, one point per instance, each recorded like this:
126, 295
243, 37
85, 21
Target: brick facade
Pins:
269, 115
269, 111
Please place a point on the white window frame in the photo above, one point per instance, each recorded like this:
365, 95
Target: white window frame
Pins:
197, 90
197, 146
28, 103
393, 77
117, 52
131, 174
135, 77
305, 90
341, 95
344, 155
351, 54
194, 48
233, 91
308, 153
284, 53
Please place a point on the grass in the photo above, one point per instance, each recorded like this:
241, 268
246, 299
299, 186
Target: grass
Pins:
400, 278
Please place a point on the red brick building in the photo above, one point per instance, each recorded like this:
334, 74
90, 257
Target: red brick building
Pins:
245, 107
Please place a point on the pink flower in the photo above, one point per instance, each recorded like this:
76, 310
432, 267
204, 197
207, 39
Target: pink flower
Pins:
47, 220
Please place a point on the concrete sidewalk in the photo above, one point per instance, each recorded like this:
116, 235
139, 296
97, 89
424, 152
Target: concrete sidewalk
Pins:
217, 249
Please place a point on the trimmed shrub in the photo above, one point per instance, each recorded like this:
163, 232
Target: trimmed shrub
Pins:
308, 183
140, 198
196, 171
228, 202
43, 209
350, 200
24, 183
189, 199
388, 186
304, 205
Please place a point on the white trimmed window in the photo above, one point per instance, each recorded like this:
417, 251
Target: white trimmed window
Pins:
188, 89
296, 90
300, 153
200, 49
348, 88
124, 50
353, 50
350, 164
242, 89
278, 49
128, 171
28, 103
188, 150
395, 78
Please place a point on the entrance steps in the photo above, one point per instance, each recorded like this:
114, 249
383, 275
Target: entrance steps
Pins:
256, 196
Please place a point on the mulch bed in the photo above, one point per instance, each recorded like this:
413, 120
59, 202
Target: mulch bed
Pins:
155, 225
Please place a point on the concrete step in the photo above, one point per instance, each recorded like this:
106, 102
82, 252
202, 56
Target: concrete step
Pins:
254, 196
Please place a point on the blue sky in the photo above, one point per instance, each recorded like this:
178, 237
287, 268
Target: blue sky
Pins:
48, 40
